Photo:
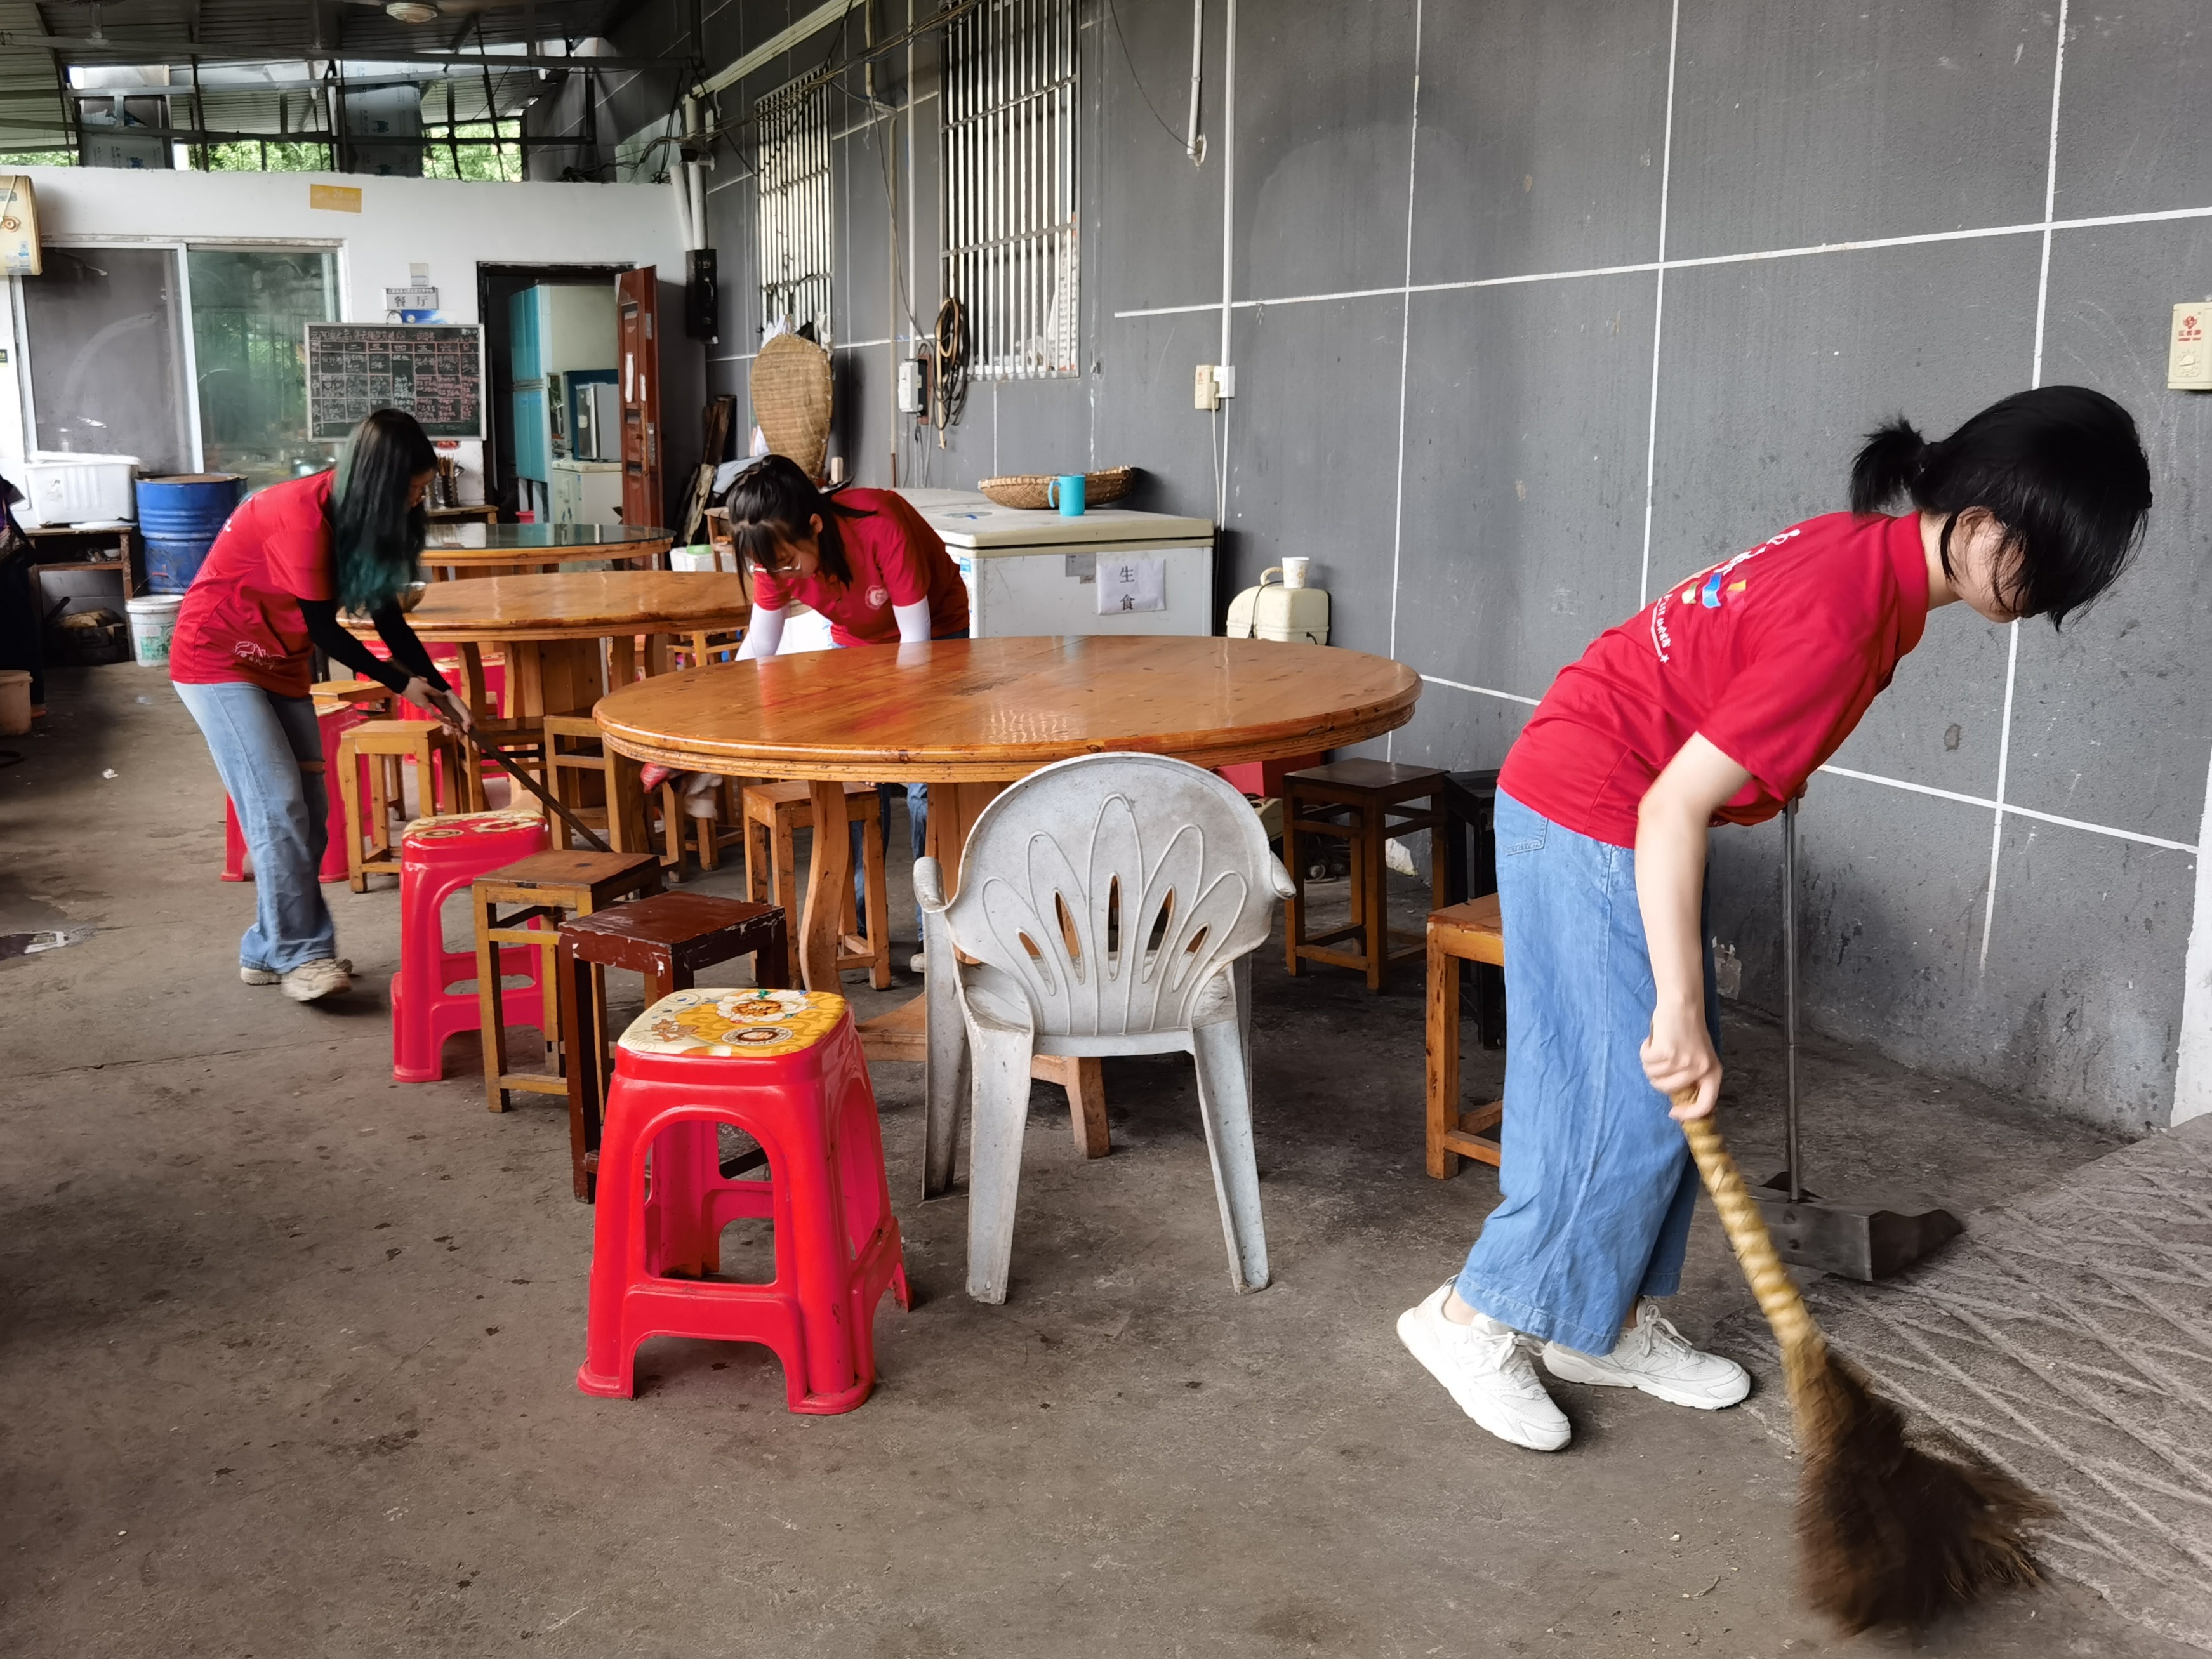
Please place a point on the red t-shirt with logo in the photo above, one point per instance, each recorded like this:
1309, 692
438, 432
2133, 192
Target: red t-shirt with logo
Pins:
240, 618
896, 558
1773, 655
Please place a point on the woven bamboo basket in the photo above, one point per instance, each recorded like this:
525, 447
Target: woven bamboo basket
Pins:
1027, 489
791, 388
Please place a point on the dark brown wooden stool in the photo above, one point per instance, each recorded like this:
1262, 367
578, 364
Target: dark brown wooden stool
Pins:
1473, 932
551, 887
1365, 802
667, 937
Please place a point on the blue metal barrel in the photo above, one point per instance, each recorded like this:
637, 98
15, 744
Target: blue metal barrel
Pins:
180, 517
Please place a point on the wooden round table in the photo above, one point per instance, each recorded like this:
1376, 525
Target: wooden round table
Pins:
969, 716
549, 626
474, 550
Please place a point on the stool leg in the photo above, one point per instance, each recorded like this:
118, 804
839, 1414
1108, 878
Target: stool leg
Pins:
491, 1011
584, 1087
1444, 1056
758, 872
786, 875
880, 909
350, 795
1373, 876
1294, 907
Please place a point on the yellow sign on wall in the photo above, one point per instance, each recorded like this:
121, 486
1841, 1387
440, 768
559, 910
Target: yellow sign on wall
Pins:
18, 227
335, 199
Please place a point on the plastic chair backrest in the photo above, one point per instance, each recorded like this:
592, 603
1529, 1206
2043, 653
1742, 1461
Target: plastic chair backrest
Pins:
1113, 887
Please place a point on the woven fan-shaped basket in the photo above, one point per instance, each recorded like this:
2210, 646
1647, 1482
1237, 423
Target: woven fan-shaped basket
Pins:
1028, 489
791, 387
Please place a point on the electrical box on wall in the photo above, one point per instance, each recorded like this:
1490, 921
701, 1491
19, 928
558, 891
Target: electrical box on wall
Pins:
18, 227
909, 386
2188, 357
702, 297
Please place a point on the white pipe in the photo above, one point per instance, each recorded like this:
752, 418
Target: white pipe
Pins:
1194, 143
1228, 172
695, 179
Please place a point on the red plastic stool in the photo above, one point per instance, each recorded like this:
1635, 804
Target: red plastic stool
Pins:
786, 1068
334, 724
438, 858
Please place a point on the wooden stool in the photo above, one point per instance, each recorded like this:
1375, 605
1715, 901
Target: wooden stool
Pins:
1365, 802
668, 938
1464, 932
705, 838
773, 812
384, 747
552, 887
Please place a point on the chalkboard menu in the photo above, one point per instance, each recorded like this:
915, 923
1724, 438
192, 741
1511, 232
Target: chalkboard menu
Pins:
434, 371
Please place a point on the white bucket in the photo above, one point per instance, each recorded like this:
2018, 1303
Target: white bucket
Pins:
152, 620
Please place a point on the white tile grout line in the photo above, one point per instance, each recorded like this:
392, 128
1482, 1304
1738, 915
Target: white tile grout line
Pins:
2034, 379
1480, 690
1658, 306
1405, 349
2031, 228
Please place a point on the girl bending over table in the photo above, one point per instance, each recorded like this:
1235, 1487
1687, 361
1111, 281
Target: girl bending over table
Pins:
866, 560
1713, 705
265, 600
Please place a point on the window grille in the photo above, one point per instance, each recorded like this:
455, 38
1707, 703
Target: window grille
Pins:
794, 181
1010, 180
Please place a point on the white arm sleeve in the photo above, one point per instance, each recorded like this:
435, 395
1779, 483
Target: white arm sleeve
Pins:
914, 623
762, 634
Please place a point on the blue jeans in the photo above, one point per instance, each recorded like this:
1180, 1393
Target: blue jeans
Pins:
1597, 1180
261, 743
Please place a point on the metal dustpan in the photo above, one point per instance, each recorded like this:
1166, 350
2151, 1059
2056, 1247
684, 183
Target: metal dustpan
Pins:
1865, 1239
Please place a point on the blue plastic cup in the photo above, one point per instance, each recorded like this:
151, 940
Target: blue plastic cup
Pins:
1065, 492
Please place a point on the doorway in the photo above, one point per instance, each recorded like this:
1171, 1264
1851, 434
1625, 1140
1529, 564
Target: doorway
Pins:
529, 432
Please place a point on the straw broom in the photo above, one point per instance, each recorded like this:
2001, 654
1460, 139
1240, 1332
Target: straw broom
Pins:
1889, 1532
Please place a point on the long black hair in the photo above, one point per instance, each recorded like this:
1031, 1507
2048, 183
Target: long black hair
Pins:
2060, 469
376, 537
773, 501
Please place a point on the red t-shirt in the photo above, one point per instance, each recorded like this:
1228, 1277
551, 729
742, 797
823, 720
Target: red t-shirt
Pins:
895, 559
240, 618
1773, 655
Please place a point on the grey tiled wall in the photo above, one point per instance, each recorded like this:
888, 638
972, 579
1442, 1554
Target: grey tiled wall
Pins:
1446, 397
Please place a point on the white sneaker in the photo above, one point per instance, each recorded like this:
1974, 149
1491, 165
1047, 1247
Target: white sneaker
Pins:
313, 980
250, 976
1484, 1368
1654, 1356
917, 964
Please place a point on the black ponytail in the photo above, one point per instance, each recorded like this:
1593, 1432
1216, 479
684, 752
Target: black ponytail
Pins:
1887, 465
2060, 468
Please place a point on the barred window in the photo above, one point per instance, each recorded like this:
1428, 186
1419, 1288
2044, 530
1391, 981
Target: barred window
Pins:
1010, 180
794, 181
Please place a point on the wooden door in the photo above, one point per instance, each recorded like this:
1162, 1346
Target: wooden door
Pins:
637, 296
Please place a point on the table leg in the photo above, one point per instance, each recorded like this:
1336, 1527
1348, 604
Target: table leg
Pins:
829, 871
622, 661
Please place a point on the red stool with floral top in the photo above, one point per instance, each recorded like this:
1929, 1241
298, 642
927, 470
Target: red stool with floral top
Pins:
438, 858
785, 1066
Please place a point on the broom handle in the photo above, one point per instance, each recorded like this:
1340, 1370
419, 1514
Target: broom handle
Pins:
1747, 1231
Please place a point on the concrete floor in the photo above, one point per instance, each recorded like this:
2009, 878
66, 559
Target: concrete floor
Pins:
289, 1349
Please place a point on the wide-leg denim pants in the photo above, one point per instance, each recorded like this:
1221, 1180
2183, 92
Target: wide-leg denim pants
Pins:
1597, 1180
264, 746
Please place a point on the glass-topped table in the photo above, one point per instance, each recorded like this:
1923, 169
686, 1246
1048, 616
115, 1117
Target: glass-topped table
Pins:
487, 550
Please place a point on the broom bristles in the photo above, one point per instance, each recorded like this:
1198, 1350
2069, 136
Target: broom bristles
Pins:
1892, 1532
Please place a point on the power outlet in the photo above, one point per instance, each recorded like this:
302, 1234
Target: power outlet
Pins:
1205, 391
909, 386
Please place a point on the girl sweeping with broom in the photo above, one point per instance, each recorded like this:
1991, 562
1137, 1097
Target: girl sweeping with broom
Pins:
1714, 705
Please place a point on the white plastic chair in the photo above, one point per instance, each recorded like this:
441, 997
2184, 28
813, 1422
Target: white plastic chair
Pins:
1111, 904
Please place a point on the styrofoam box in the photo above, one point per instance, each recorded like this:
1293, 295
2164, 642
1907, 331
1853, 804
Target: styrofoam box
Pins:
60, 488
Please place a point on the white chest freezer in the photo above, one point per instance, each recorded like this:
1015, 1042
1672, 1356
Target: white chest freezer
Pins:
1037, 572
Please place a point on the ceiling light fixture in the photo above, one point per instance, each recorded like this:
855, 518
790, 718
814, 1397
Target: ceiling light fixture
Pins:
412, 11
